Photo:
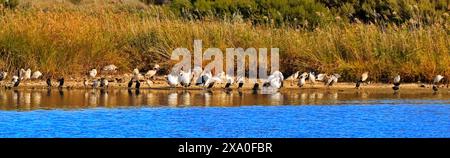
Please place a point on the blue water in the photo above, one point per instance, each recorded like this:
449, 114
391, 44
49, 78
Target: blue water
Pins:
382, 120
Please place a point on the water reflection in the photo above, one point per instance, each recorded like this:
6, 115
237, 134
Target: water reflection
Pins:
89, 98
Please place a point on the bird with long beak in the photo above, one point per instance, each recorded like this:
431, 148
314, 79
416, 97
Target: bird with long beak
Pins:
436, 81
396, 83
363, 78
240, 81
332, 80
93, 73
151, 73
229, 81
302, 80
293, 77
185, 78
173, 79
312, 77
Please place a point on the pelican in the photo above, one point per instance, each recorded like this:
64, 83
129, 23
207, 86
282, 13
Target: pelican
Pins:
61, 82
27, 74
274, 75
229, 80
333, 79
36, 75
197, 72
240, 81
276, 83
15, 81
203, 78
293, 77
93, 73
312, 77
436, 81
152, 73
110, 68
104, 83
396, 83
49, 82
364, 77
216, 79
320, 77
172, 79
302, 80
136, 74
185, 78
3, 75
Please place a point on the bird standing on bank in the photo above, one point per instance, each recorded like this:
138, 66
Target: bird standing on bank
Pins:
293, 77
396, 83
363, 78
436, 81
332, 80
302, 80
93, 73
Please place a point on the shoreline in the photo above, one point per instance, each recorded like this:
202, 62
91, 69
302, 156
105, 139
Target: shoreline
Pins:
160, 84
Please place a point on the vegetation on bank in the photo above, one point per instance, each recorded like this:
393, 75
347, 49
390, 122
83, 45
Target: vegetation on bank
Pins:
68, 37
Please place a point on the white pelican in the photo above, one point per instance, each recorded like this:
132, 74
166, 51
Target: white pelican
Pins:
312, 77
396, 83
275, 83
196, 75
203, 78
436, 81
185, 78
27, 75
320, 77
152, 73
36, 75
332, 80
3, 75
274, 75
136, 74
302, 80
211, 81
240, 81
229, 80
172, 79
93, 73
363, 78
15, 81
293, 77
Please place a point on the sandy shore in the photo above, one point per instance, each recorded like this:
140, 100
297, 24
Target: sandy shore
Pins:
160, 83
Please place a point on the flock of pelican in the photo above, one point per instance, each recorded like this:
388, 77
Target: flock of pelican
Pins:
200, 78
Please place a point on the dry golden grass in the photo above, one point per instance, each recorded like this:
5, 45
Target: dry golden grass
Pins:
69, 39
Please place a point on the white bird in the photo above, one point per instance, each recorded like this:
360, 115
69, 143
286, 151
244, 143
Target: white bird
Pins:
364, 77
93, 73
197, 72
436, 81
276, 83
27, 75
15, 81
396, 83
320, 77
312, 77
203, 78
110, 68
3, 75
185, 78
293, 77
302, 80
240, 81
136, 74
36, 75
210, 81
152, 73
229, 81
172, 79
333, 79
274, 80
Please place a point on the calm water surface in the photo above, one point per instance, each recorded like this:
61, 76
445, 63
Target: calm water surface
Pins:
218, 113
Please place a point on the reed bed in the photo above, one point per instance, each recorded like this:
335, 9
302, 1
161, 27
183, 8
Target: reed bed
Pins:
63, 40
